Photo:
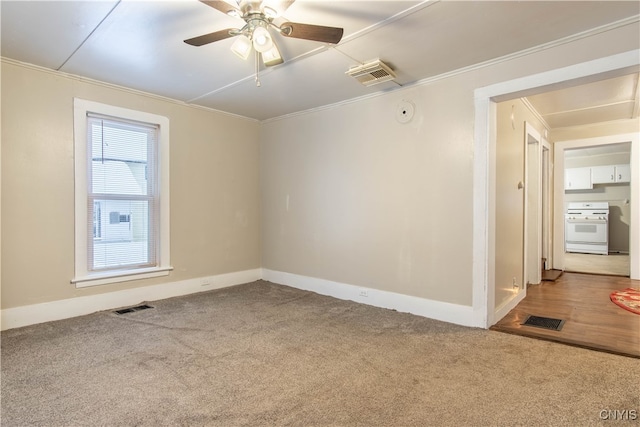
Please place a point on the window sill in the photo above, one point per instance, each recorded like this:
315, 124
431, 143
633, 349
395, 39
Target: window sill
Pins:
119, 276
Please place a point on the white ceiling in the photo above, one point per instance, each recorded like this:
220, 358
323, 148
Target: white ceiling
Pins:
601, 101
623, 148
139, 44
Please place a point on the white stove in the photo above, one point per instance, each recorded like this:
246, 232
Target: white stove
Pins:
586, 228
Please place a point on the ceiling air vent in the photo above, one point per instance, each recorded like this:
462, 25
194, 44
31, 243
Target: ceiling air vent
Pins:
372, 73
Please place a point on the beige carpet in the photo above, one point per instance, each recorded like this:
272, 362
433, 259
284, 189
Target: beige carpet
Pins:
261, 354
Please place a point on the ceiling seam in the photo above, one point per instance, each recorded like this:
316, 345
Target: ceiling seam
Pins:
590, 125
577, 110
89, 35
406, 12
400, 15
113, 86
636, 105
265, 71
505, 58
417, 83
535, 112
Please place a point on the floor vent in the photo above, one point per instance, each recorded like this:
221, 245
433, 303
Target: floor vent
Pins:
544, 322
132, 309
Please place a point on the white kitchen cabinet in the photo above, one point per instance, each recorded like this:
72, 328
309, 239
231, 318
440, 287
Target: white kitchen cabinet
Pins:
610, 174
603, 174
623, 173
577, 179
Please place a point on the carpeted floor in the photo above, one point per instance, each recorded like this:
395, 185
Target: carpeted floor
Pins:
262, 354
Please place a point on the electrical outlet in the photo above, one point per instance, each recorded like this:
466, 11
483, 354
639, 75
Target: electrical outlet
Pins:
205, 282
364, 293
515, 283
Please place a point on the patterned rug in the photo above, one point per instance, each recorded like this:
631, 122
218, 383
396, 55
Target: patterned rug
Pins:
629, 299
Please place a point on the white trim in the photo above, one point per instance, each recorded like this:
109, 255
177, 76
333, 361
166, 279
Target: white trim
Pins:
509, 305
485, 161
120, 276
82, 79
506, 58
483, 264
569, 39
531, 272
547, 201
535, 113
72, 307
83, 277
438, 310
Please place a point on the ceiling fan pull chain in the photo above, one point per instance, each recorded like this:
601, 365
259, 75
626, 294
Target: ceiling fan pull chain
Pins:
258, 84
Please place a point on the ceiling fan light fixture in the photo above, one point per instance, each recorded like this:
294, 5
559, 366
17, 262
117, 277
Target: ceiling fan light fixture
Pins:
242, 47
259, 17
272, 57
270, 12
262, 40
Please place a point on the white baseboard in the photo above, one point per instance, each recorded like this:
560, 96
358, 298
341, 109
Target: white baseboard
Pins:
56, 310
438, 310
506, 307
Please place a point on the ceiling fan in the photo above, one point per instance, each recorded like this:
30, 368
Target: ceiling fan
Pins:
260, 17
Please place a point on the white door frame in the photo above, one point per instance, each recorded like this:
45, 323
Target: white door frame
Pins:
532, 232
547, 205
484, 193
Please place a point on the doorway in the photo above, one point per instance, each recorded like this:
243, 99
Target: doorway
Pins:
484, 271
596, 155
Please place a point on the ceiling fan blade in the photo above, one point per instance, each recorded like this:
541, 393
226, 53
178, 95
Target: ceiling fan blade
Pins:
211, 37
312, 32
222, 6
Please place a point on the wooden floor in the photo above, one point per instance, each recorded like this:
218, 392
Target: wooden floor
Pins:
612, 264
591, 319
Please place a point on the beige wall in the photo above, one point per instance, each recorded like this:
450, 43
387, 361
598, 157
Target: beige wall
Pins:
215, 216
510, 158
348, 194
0, 188
352, 196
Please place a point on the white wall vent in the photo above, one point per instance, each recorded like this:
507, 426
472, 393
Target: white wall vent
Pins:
372, 73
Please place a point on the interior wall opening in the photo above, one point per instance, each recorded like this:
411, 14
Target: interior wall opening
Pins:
487, 99
597, 199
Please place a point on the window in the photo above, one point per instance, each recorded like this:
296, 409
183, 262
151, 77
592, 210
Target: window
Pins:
122, 194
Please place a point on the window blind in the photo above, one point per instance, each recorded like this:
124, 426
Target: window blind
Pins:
122, 194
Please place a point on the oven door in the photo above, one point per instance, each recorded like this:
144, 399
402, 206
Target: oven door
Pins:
591, 231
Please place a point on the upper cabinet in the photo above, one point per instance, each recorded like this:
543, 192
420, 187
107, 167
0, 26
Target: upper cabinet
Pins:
585, 178
603, 174
623, 173
577, 179
610, 174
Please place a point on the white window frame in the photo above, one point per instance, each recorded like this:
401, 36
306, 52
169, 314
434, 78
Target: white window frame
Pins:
83, 277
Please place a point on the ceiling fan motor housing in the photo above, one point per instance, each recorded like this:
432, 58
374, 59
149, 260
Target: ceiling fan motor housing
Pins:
259, 18
250, 7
